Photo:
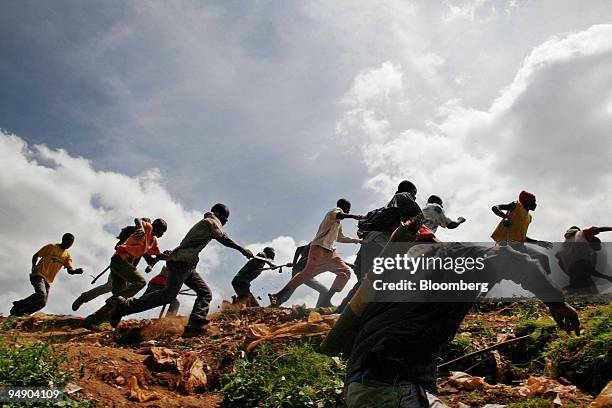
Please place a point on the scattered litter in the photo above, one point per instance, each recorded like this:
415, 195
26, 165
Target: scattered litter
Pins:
466, 381
604, 399
316, 325
543, 385
140, 395
72, 388
193, 378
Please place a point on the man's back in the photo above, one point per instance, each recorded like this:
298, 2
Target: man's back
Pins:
197, 238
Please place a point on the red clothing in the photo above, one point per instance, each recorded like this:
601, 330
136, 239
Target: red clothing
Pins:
525, 196
135, 246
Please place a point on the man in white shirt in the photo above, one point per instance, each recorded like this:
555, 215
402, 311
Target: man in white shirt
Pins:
578, 258
435, 216
322, 256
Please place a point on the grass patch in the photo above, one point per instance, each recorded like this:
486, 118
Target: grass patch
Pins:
459, 346
36, 364
32, 365
531, 403
527, 310
586, 360
290, 376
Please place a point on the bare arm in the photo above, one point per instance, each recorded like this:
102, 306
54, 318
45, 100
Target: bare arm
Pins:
228, 242
500, 208
346, 240
34, 262
603, 229
342, 216
139, 231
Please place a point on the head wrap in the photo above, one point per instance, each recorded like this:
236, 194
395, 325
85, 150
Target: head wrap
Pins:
525, 196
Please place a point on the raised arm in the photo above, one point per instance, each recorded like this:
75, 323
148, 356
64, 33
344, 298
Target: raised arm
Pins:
139, 231
500, 208
34, 261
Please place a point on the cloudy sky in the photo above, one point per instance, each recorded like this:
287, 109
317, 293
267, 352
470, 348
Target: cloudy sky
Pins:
111, 110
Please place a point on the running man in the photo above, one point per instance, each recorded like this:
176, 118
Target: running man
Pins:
322, 256
181, 266
578, 259
247, 274
107, 287
300, 259
512, 229
378, 225
126, 279
52, 258
436, 217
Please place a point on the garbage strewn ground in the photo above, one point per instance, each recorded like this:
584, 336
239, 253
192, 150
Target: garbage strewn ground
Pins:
147, 363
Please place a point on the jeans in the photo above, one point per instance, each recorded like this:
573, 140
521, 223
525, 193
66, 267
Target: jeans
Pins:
97, 291
174, 304
126, 282
373, 238
35, 301
178, 273
374, 394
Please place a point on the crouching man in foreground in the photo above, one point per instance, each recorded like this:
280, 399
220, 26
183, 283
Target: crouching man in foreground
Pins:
393, 345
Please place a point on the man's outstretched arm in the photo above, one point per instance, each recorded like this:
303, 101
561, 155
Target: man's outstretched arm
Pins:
228, 242
543, 244
342, 216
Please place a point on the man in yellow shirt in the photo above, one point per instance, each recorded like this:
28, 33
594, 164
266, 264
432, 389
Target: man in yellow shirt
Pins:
512, 229
53, 258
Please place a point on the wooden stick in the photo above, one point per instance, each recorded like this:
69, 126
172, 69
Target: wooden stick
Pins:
484, 350
100, 274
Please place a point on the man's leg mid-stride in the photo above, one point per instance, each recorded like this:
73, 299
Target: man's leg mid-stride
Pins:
319, 260
177, 274
35, 301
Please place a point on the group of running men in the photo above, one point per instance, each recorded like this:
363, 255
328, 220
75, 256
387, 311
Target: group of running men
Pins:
140, 241
391, 347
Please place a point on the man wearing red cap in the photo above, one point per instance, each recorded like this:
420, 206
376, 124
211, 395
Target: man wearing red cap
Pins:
514, 224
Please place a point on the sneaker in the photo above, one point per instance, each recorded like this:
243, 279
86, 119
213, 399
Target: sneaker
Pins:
76, 304
117, 312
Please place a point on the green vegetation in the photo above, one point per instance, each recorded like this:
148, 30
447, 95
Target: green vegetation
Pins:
8, 324
531, 403
36, 364
527, 310
290, 376
32, 365
586, 360
459, 346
